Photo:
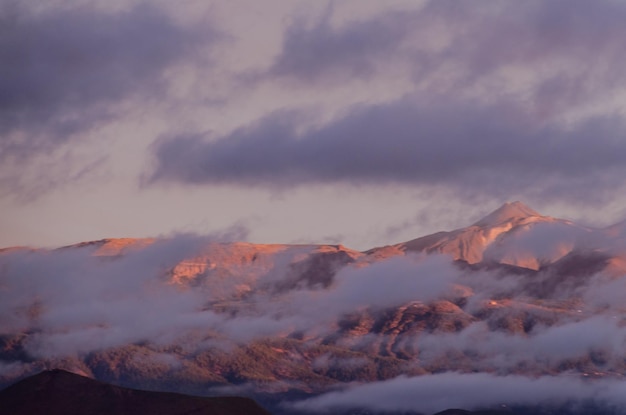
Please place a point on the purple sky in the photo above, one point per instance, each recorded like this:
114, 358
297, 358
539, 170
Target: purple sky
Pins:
355, 122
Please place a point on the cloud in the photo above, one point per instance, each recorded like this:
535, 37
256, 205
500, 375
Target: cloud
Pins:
73, 302
492, 149
468, 44
604, 292
316, 310
507, 99
317, 51
433, 393
67, 70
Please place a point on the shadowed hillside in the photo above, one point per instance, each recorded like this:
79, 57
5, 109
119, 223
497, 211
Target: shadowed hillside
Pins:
57, 392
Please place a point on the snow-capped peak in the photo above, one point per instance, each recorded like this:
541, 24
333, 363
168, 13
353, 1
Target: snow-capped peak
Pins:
507, 212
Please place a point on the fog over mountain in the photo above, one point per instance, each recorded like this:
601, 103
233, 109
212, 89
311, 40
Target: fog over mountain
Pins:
516, 309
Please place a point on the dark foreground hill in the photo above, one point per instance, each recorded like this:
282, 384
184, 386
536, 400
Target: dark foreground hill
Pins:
59, 392
464, 412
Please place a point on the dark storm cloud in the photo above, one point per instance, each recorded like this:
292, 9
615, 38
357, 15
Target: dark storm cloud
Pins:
544, 241
63, 71
541, 350
490, 148
402, 279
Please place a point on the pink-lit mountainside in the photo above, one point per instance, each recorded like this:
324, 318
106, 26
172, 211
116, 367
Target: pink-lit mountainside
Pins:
517, 309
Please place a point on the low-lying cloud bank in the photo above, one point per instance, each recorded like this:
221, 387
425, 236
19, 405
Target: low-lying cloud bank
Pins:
72, 302
542, 350
433, 393
421, 311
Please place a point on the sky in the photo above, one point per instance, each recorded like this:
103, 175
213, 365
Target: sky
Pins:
350, 121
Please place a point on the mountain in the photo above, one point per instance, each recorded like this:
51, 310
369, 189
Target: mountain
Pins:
60, 392
515, 295
513, 234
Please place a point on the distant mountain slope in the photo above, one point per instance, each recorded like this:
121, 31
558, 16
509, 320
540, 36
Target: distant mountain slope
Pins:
59, 392
515, 293
513, 234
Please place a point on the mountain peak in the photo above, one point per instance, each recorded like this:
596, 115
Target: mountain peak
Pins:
506, 212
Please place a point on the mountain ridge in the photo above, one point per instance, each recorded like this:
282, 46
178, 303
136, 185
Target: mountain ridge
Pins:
471, 243
188, 314
504, 236
514, 212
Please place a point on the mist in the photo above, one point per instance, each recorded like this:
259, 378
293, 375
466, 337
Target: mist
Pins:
432, 393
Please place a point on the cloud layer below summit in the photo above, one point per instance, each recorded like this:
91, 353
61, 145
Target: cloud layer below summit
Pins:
434, 393
76, 302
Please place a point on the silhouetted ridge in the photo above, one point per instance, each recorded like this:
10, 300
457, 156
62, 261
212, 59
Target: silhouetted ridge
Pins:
465, 412
59, 392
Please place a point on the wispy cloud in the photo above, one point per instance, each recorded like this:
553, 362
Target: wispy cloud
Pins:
66, 71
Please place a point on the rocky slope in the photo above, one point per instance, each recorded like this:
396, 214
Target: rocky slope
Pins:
514, 234
515, 293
